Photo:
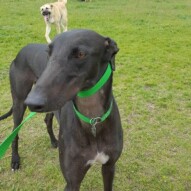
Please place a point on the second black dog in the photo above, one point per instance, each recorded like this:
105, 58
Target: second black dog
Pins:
25, 69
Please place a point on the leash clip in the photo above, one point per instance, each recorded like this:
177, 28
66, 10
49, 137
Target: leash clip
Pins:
94, 122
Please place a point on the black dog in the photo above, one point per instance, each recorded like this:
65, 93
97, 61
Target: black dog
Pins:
90, 126
24, 72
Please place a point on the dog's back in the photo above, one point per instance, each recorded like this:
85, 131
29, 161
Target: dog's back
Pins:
59, 11
64, 1
28, 59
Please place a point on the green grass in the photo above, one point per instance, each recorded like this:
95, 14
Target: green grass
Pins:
152, 85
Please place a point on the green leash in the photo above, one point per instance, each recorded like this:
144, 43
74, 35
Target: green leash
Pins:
6, 143
86, 93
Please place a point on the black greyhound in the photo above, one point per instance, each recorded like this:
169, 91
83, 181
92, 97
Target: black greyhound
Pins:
90, 126
25, 69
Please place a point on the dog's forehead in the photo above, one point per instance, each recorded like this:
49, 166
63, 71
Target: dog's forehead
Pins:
80, 37
46, 6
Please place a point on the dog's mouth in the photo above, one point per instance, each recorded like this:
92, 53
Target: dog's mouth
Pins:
46, 15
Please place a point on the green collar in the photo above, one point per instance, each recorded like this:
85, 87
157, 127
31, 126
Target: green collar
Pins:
91, 91
94, 121
98, 85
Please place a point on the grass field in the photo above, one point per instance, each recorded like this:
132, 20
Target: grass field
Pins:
152, 85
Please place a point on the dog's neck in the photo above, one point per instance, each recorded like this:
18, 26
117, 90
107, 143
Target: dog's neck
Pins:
97, 104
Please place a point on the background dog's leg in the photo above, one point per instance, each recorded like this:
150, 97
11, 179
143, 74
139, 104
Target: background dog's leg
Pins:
48, 29
18, 112
49, 121
58, 28
21, 80
108, 171
64, 25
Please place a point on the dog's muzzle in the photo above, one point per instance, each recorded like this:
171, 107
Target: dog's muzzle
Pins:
45, 13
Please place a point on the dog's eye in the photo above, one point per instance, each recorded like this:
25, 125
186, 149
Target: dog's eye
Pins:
80, 54
76, 53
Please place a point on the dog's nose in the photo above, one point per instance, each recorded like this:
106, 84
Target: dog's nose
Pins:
36, 104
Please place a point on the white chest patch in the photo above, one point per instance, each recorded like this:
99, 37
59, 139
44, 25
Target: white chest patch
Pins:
101, 158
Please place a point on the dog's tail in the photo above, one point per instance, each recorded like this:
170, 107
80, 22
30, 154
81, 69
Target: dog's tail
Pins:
9, 113
64, 1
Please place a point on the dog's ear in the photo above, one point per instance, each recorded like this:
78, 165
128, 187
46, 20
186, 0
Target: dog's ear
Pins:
111, 51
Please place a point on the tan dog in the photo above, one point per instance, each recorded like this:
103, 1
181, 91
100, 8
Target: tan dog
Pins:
54, 13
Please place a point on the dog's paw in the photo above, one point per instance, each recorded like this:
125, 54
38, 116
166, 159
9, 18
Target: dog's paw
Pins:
15, 163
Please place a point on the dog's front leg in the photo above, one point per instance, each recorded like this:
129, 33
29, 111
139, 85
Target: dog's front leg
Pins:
64, 25
74, 171
18, 112
48, 29
58, 29
15, 162
108, 171
73, 166
49, 123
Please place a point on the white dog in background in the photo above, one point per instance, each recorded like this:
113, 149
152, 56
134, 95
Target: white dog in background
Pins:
55, 13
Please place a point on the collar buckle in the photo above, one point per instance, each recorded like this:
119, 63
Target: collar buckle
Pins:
94, 122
